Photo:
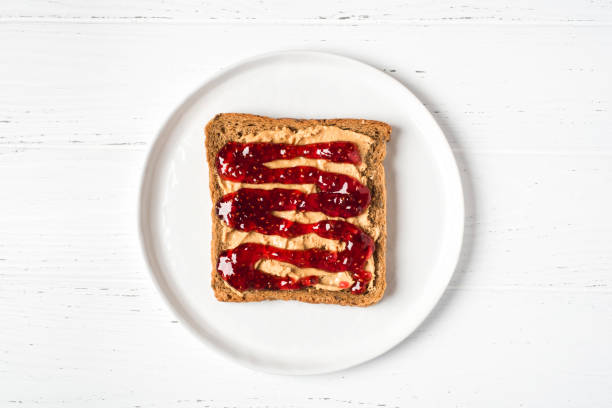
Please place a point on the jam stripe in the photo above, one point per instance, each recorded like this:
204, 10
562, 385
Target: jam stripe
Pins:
250, 210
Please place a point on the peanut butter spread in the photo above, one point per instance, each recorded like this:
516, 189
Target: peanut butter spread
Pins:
318, 134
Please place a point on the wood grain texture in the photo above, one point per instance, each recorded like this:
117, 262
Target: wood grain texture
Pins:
526, 108
316, 12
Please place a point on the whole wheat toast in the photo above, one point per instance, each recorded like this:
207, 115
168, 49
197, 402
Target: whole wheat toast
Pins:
227, 127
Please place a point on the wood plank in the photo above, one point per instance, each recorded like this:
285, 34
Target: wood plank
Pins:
515, 88
534, 222
318, 11
68, 347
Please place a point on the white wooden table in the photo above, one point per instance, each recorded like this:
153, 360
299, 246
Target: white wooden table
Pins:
523, 91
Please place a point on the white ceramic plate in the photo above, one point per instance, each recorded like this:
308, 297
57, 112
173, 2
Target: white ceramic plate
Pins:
425, 215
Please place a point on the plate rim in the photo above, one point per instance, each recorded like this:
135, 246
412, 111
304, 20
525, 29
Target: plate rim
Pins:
453, 252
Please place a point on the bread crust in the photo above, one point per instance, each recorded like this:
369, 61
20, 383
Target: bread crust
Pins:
225, 127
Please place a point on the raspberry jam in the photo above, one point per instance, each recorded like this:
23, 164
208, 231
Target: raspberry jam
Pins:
250, 210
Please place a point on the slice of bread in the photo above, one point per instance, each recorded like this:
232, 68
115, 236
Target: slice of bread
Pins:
227, 127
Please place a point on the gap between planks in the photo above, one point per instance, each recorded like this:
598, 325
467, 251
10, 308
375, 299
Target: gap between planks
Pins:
424, 22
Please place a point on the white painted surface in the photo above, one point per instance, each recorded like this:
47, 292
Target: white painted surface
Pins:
522, 90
